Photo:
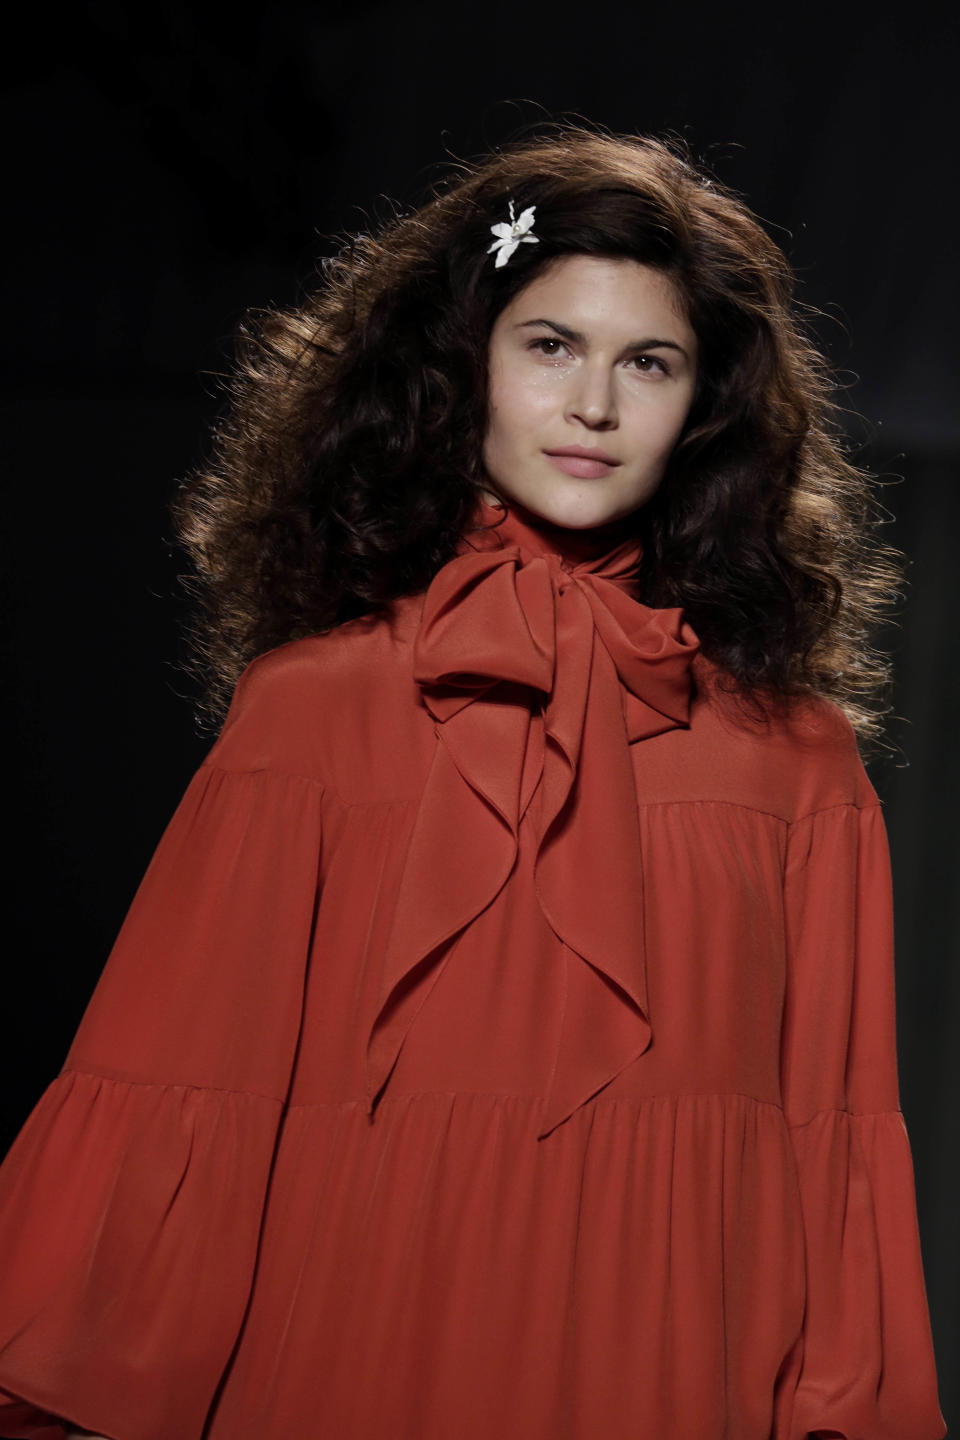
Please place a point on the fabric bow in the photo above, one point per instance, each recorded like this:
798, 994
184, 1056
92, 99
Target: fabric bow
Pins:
540, 671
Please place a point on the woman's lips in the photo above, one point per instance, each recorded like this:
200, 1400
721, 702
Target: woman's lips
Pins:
580, 466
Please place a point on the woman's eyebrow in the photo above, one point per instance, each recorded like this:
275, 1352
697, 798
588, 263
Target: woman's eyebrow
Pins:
651, 343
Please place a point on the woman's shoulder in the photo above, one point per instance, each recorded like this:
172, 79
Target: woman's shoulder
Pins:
818, 740
790, 762
327, 666
816, 754
300, 705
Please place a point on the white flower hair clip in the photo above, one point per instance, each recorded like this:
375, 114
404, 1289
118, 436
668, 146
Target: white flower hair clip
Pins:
511, 234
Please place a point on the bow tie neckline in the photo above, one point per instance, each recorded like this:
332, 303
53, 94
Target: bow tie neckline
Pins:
540, 668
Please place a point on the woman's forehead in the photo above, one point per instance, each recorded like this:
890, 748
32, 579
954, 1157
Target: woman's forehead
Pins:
586, 291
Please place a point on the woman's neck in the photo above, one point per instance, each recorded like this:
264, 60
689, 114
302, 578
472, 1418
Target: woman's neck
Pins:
577, 544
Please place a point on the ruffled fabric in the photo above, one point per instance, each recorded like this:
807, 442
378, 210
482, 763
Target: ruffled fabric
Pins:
863, 1367
132, 1199
540, 671
639, 1273
129, 1227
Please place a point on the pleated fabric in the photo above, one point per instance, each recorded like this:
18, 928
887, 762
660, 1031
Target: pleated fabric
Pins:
430, 1089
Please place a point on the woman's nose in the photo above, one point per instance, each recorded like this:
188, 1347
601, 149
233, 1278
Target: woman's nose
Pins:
592, 398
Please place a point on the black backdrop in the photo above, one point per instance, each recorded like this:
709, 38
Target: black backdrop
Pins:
167, 169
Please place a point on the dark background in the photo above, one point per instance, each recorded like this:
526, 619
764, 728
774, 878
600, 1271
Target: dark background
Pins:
166, 169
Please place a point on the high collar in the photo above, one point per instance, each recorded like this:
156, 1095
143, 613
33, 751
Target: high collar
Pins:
613, 552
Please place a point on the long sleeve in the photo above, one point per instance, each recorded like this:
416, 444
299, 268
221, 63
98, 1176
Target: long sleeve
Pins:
864, 1368
131, 1200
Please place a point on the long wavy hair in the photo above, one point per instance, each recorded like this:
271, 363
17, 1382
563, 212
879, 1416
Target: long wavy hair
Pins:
346, 461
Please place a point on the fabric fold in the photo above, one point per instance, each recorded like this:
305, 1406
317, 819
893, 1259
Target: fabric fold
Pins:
540, 668
865, 1357
129, 1227
132, 1199
864, 1361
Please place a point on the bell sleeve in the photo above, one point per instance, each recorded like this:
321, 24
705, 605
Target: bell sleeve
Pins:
131, 1200
864, 1365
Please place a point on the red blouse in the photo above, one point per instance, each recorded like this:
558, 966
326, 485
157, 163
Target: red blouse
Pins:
501, 1041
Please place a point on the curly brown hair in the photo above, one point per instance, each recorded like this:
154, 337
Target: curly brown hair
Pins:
346, 463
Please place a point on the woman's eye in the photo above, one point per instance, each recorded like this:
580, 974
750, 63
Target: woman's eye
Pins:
656, 360
547, 340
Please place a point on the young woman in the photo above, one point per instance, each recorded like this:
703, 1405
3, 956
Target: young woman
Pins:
502, 1038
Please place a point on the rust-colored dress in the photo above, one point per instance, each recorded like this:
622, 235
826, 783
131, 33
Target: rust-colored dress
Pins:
501, 1042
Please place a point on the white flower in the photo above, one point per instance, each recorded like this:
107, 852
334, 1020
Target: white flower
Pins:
510, 235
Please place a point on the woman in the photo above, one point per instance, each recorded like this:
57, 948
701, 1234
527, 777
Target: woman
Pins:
502, 1038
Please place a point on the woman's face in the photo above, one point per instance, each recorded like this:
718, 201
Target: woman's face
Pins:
595, 352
